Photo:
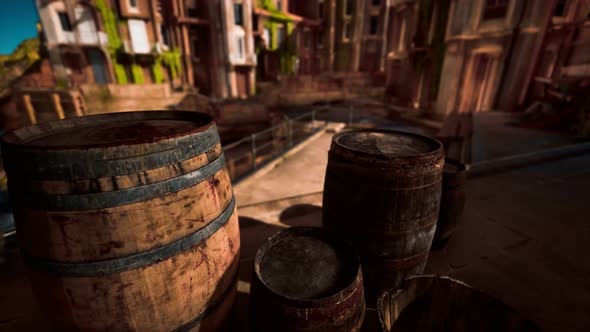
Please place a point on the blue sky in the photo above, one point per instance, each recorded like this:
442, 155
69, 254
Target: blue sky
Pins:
18, 20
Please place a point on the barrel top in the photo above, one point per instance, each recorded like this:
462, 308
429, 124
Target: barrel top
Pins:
105, 130
305, 265
387, 143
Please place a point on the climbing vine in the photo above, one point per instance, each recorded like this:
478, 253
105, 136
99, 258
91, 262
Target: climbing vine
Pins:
157, 70
277, 18
172, 60
115, 43
137, 73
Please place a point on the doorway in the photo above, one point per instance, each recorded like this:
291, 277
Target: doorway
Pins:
98, 66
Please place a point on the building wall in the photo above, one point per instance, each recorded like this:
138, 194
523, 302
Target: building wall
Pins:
488, 58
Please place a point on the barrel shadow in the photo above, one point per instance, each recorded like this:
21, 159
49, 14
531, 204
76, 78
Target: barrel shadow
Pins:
253, 233
302, 215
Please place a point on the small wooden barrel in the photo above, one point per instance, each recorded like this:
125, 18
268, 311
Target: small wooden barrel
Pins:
127, 220
432, 303
382, 193
452, 202
305, 280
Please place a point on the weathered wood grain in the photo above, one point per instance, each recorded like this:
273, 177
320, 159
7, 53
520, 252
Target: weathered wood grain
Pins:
384, 199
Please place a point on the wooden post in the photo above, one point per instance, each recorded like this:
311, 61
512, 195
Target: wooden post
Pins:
30, 109
57, 104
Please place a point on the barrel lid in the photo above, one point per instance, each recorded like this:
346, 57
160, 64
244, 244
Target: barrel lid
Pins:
304, 263
387, 143
108, 130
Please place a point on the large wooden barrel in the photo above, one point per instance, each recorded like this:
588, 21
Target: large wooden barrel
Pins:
433, 303
306, 280
452, 202
127, 220
382, 193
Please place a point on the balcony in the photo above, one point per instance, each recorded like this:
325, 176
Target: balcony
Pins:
90, 38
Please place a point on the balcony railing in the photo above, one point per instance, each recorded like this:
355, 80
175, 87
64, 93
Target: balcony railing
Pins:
92, 38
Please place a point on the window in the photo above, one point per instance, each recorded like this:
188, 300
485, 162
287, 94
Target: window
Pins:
349, 4
238, 14
321, 10
240, 42
139, 37
374, 24
495, 9
560, 8
376, 2
165, 35
280, 5
347, 31
64, 21
133, 4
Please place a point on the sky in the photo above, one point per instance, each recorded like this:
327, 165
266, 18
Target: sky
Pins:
18, 21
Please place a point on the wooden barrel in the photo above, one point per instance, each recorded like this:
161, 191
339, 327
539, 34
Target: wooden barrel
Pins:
433, 303
452, 202
127, 220
305, 280
381, 194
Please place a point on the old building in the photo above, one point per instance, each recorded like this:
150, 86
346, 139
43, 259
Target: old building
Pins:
564, 57
309, 35
492, 48
275, 38
415, 50
108, 41
76, 41
215, 40
235, 37
354, 34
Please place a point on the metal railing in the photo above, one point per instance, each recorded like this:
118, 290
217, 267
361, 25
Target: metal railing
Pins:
253, 151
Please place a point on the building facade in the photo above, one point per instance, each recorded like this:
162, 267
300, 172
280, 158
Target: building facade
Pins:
354, 33
415, 50
564, 58
275, 39
76, 41
200, 43
309, 33
492, 47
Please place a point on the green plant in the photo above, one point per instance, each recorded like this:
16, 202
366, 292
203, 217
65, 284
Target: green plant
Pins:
157, 70
120, 74
277, 19
115, 44
172, 60
137, 73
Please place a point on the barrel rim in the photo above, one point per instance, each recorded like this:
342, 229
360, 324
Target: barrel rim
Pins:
437, 149
355, 282
11, 139
396, 292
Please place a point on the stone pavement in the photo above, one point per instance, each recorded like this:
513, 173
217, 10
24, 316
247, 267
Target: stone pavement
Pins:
492, 135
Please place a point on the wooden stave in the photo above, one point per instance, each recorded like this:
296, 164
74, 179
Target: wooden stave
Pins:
342, 311
53, 297
382, 178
